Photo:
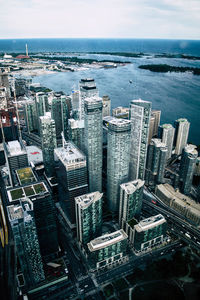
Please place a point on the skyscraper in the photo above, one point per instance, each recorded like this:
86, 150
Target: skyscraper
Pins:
131, 194
59, 113
106, 106
154, 123
188, 161
182, 127
166, 134
118, 155
25, 235
16, 157
140, 112
76, 132
94, 141
87, 89
42, 105
30, 114
71, 169
48, 136
88, 216
156, 161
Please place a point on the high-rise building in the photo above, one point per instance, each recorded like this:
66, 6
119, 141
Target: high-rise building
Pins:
106, 106
154, 124
140, 112
16, 157
131, 194
166, 134
3, 98
42, 105
182, 127
88, 216
149, 233
107, 250
30, 114
156, 161
94, 141
59, 113
187, 167
75, 95
48, 137
87, 89
4, 82
72, 175
76, 132
118, 156
121, 112
24, 231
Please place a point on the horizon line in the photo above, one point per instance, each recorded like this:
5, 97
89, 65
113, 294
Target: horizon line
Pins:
104, 38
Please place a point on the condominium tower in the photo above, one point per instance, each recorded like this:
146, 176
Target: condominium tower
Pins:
140, 112
166, 134
182, 127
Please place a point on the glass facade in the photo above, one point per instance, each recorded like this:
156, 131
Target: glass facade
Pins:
94, 142
182, 127
140, 112
166, 134
118, 154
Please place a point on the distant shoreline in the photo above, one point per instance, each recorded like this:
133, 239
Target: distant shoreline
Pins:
163, 68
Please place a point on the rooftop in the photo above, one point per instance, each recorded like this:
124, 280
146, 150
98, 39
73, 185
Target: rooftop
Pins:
182, 120
167, 126
25, 175
107, 240
158, 143
150, 223
69, 155
76, 123
15, 148
27, 191
192, 149
132, 186
20, 211
34, 154
85, 200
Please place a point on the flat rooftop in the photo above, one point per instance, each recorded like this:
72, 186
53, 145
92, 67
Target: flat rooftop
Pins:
14, 148
132, 186
149, 223
34, 154
107, 240
85, 200
25, 176
69, 155
192, 149
119, 122
19, 211
167, 126
27, 191
93, 100
76, 123
158, 143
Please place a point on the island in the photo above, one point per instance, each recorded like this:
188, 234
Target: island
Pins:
163, 68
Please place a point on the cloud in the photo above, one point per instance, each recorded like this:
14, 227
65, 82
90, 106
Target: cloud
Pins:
100, 18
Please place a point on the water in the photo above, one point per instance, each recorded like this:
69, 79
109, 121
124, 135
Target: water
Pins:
175, 94
95, 45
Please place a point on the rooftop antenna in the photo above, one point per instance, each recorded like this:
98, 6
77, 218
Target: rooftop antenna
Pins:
26, 50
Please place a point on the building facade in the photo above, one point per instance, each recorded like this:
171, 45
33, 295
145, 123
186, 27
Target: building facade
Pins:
94, 141
182, 127
140, 112
106, 106
76, 132
88, 216
48, 138
87, 89
166, 134
187, 167
118, 155
131, 195
107, 250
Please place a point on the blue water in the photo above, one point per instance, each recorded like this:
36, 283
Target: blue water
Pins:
95, 45
175, 94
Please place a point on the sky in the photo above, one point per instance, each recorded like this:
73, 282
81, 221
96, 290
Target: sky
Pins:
172, 19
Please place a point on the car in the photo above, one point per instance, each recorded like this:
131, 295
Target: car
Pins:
86, 285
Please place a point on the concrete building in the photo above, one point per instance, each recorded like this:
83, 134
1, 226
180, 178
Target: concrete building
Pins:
87, 89
187, 168
94, 141
140, 112
149, 233
16, 157
179, 202
4, 82
182, 127
121, 112
88, 217
107, 250
118, 155
26, 240
156, 161
71, 169
76, 132
59, 113
3, 98
106, 106
48, 137
31, 118
166, 134
75, 95
42, 104
131, 194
